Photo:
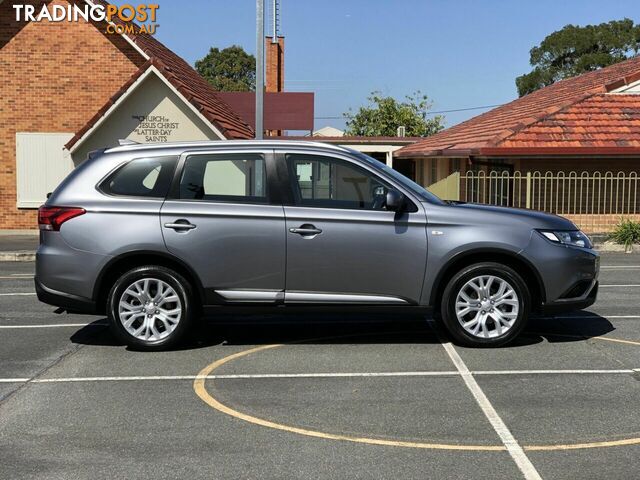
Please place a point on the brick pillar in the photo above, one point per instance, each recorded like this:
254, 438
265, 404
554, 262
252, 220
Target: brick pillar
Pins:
274, 79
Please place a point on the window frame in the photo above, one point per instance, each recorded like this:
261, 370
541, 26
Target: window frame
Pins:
271, 197
294, 189
109, 176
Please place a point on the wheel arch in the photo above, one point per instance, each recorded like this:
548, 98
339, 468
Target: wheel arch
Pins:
526, 269
122, 263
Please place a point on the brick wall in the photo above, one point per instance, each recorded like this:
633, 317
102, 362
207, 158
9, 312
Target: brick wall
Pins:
600, 223
55, 76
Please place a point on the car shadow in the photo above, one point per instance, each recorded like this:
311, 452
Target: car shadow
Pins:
348, 329
576, 327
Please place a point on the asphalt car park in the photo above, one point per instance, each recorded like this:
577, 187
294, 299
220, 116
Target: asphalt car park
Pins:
313, 396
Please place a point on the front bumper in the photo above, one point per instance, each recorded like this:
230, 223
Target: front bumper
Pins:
568, 275
568, 304
71, 303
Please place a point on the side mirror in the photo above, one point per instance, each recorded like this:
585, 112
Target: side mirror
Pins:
395, 201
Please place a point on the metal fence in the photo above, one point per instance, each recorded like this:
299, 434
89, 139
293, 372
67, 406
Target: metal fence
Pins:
572, 193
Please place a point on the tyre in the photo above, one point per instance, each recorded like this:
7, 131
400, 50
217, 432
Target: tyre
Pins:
485, 305
150, 308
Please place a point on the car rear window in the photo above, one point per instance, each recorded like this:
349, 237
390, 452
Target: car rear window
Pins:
142, 177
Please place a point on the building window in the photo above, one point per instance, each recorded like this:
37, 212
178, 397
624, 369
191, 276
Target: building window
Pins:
455, 165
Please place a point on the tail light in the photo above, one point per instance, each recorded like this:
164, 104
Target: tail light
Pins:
52, 218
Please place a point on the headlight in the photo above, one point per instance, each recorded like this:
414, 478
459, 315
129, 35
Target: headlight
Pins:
574, 238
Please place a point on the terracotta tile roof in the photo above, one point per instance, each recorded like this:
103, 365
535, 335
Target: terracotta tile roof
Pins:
184, 79
562, 115
602, 120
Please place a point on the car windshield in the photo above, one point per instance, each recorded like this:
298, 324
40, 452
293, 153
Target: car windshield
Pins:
409, 184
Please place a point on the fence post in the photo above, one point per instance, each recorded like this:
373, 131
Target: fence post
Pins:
528, 193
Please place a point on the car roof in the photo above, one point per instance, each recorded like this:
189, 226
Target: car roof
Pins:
225, 144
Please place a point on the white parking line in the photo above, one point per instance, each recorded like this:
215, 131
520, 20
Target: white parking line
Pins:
587, 317
15, 276
17, 294
627, 285
615, 267
556, 372
52, 325
241, 376
507, 438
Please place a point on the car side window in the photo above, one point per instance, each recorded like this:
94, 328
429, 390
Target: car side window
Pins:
328, 182
142, 177
238, 177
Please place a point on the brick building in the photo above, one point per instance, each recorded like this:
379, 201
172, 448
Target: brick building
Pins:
70, 87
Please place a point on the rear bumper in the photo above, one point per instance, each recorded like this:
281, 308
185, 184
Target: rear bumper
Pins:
71, 303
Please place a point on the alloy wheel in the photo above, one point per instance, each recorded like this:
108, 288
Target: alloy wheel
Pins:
487, 306
149, 309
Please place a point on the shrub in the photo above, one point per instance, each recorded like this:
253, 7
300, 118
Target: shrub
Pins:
626, 233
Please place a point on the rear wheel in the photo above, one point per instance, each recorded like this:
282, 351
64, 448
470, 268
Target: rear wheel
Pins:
486, 304
150, 307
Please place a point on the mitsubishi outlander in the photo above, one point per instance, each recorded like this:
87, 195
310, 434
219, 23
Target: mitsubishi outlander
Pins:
156, 235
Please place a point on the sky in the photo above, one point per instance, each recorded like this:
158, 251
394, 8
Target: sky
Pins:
460, 53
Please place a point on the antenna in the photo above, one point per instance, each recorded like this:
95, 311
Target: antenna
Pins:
275, 17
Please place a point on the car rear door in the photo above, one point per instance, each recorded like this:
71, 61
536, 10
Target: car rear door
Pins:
221, 219
342, 245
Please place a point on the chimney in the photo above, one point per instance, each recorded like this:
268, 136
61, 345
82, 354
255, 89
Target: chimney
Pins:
274, 56
274, 81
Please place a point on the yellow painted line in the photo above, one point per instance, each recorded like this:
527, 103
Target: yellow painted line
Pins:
205, 396
578, 446
586, 337
201, 391
617, 340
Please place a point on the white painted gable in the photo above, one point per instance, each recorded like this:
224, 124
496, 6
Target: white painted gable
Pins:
631, 88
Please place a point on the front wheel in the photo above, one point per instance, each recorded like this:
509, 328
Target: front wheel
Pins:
150, 307
486, 304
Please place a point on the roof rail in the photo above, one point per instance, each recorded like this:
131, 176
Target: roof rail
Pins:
224, 143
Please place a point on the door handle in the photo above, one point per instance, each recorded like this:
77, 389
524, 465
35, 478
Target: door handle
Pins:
180, 225
306, 230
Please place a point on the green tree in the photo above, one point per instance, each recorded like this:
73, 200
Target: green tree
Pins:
574, 50
383, 115
229, 70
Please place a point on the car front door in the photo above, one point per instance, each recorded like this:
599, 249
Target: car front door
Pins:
221, 220
343, 246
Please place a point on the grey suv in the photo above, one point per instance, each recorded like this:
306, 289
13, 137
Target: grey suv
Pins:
156, 235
